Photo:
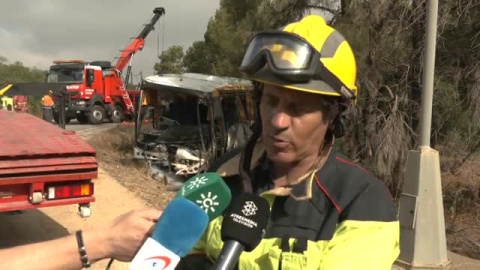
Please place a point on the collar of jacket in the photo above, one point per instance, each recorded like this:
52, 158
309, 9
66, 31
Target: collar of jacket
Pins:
301, 189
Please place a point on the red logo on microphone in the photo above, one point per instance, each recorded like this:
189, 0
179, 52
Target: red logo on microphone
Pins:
164, 259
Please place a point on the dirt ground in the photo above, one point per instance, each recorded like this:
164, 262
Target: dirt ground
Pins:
112, 200
462, 209
115, 155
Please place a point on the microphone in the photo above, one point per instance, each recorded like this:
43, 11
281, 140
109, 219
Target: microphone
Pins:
179, 228
209, 192
242, 228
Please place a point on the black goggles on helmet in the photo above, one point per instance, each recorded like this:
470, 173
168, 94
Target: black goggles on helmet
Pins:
291, 58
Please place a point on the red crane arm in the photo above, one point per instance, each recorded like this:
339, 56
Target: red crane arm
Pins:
139, 41
127, 53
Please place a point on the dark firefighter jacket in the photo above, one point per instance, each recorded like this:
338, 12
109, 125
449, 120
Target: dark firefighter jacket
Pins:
339, 216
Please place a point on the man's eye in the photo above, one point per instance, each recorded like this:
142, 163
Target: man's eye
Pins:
296, 109
271, 101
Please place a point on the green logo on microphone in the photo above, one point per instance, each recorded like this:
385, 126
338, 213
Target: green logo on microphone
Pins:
208, 203
197, 182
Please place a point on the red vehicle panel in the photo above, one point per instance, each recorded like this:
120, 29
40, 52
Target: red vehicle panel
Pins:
37, 159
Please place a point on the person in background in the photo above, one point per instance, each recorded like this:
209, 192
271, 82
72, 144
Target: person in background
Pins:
47, 107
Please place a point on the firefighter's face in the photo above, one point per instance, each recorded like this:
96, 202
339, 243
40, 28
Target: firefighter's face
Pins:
293, 124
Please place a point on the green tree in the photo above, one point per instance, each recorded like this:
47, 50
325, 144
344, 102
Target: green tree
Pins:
18, 73
196, 59
170, 61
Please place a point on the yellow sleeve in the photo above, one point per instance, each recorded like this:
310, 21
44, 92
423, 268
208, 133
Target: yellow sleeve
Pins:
362, 245
200, 246
210, 238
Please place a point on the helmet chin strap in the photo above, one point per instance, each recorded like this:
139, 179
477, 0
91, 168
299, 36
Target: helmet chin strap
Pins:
339, 126
246, 158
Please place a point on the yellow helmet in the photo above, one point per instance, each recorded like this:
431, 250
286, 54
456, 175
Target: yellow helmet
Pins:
307, 55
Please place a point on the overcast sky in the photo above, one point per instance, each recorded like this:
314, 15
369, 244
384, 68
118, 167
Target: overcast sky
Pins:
36, 32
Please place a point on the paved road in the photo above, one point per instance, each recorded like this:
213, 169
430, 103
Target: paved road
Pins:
85, 131
75, 126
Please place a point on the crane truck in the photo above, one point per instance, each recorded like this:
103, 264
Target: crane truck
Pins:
96, 90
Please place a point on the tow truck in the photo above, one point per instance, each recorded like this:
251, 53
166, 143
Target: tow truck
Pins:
96, 90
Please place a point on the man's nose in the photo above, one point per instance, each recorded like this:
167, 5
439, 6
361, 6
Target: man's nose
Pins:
280, 119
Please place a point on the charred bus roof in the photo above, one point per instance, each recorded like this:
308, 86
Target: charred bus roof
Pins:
199, 85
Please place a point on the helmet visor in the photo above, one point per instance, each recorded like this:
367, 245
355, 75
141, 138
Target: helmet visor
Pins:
291, 58
285, 54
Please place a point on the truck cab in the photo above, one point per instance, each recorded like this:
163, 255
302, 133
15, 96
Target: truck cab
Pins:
93, 94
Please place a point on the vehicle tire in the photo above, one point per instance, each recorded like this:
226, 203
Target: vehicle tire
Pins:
96, 115
82, 118
117, 114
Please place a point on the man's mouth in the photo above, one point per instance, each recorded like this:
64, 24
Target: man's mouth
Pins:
279, 143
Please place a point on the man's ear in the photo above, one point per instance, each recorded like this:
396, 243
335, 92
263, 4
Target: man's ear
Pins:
339, 127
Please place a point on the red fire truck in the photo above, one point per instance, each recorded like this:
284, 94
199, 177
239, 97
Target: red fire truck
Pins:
42, 165
20, 104
96, 90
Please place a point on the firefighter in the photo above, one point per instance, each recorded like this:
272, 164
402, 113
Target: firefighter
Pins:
47, 107
326, 212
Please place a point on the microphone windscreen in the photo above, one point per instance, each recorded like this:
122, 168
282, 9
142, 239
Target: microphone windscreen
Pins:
180, 226
209, 192
245, 220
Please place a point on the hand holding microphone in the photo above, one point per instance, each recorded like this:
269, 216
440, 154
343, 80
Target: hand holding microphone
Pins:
177, 231
202, 198
242, 228
122, 234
